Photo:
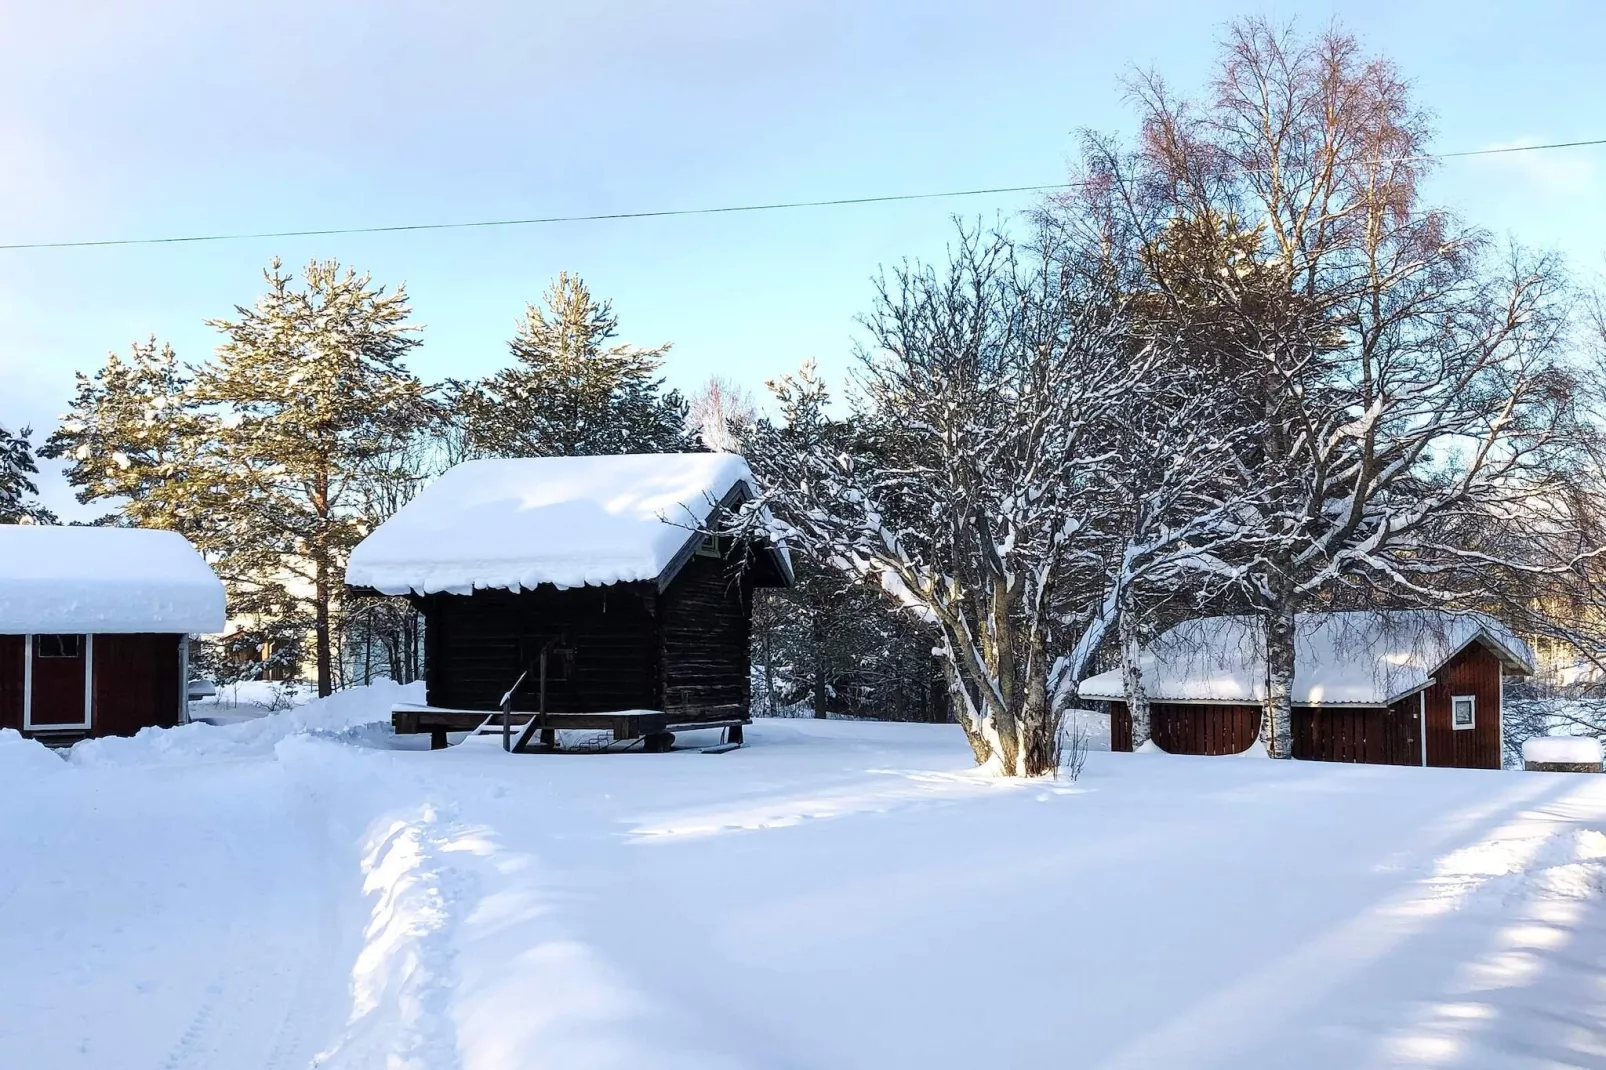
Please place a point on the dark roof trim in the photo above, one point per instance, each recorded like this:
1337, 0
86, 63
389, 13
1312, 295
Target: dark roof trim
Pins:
734, 498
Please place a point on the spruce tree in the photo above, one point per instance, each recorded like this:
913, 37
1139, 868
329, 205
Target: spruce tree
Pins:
572, 390
311, 403
17, 469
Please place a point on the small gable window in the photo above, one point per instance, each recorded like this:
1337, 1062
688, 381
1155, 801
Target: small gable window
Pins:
59, 646
1463, 711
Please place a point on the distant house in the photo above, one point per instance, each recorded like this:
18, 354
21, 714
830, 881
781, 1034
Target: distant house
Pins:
94, 628
589, 578
1388, 688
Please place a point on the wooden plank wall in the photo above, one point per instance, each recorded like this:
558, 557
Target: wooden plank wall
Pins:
1120, 727
476, 645
138, 683
1474, 671
1358, 734
1189, 727
1203, 728
11, 681
706, 634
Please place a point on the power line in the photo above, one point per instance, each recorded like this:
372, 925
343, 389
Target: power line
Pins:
665, 213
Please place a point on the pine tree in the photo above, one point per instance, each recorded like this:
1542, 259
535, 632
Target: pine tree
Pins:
572, 392
17, 469
310, 402
130, 436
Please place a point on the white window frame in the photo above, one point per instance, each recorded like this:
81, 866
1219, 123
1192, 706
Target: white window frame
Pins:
1472, 700
28, 724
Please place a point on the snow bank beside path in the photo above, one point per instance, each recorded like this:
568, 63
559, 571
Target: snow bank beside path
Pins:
356, 713
22, 759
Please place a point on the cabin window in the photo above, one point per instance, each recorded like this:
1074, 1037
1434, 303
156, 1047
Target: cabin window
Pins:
59, 646
1463, 711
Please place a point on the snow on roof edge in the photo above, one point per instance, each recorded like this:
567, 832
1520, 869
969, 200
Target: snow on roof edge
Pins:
1330, 681
105, 580
520, 523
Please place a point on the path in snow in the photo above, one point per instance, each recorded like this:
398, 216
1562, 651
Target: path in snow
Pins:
168, 918
834, 896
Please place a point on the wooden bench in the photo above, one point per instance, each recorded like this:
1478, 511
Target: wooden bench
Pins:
655, 727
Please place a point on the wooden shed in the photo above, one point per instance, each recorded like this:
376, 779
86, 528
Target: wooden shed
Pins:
584, 591
1385, 688
94, 628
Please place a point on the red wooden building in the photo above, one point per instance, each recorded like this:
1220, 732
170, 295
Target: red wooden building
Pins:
1385, 688
94, 628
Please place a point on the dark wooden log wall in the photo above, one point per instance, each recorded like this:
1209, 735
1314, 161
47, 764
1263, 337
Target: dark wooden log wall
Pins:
11, 681
1474, 671
1190, 728
1373, 735
706, 640
138, 683
475, 647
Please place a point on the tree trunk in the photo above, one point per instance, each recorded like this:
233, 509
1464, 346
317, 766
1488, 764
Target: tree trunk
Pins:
1137, 699
1277, 722
321, 631
1040, 727
820, 697
769, 669
963, 710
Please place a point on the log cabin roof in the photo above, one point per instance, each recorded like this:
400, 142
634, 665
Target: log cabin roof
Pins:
104, 580
518, 523
1364, 658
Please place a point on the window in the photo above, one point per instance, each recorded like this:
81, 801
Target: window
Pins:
59, 646
1463, 710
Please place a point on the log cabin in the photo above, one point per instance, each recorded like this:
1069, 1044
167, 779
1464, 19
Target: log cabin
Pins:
577, 593
94, 629
1380, 687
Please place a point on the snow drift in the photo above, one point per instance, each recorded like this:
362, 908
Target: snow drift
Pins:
345, 714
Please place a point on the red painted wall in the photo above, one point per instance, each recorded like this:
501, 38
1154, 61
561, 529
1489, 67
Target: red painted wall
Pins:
1475, 672
138, 682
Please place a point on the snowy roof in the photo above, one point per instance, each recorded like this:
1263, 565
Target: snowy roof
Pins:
515, 523
1340, 659
87, 579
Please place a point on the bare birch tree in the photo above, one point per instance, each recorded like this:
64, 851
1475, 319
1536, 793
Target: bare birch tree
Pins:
1405, 369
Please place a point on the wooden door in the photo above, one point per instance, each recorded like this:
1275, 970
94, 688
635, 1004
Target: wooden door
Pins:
57, 673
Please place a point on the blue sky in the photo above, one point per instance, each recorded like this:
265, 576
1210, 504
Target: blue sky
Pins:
185, 117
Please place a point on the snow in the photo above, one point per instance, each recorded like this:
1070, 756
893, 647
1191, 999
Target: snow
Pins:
347, 714
1354, 658
23, 761
1569, 750
568, 521
836, 895
93, 579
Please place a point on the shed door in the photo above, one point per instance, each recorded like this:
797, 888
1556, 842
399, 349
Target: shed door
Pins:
58, 682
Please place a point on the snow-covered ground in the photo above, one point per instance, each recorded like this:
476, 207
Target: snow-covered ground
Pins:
836, 895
